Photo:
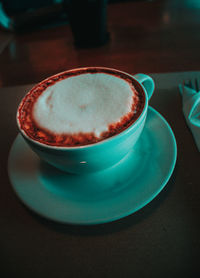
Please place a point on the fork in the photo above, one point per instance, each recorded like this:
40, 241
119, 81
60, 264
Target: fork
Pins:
193, 84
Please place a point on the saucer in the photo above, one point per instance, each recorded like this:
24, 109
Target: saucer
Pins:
102, 196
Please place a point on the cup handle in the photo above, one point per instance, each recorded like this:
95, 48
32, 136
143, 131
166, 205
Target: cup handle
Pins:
147, 82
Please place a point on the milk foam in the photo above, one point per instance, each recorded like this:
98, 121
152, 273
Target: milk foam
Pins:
84, 103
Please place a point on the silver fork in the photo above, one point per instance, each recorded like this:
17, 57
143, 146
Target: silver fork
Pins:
193, 84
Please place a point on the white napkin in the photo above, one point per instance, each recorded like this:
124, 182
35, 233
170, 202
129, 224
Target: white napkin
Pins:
191, 110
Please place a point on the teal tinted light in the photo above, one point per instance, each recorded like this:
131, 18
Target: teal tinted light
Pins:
193, 4
58, 1
13, 50
5, 21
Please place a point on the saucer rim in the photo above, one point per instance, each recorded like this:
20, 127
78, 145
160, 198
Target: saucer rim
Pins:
119, 215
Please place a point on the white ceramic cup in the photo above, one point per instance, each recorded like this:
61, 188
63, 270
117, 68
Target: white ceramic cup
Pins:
101, 155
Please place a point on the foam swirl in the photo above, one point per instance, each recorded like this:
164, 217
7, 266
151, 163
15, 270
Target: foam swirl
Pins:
86, 103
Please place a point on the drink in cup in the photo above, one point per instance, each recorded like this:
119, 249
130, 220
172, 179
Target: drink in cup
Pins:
86, 119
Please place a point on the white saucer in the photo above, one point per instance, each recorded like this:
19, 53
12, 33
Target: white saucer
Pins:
103, 196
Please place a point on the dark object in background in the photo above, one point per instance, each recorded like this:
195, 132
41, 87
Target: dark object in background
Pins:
88, 20
15, 7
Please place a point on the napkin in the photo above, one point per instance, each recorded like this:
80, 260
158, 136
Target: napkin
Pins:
191, 110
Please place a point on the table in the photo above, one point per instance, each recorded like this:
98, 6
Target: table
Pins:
145, 36
160, 240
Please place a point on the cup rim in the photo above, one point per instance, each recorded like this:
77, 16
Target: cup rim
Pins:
92, 145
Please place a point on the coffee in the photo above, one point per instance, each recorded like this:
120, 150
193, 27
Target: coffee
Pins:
80, 107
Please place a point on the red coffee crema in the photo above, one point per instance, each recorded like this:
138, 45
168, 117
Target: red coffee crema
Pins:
35, 132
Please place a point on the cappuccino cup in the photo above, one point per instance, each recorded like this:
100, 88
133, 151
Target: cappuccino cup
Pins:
87, 119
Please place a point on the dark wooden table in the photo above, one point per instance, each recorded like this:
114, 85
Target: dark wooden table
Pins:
145, 36
163, 238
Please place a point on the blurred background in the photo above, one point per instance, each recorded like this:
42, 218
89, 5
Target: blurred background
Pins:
42, 37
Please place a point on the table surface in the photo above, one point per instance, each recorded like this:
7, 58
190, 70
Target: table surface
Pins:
160, 240
145, 36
